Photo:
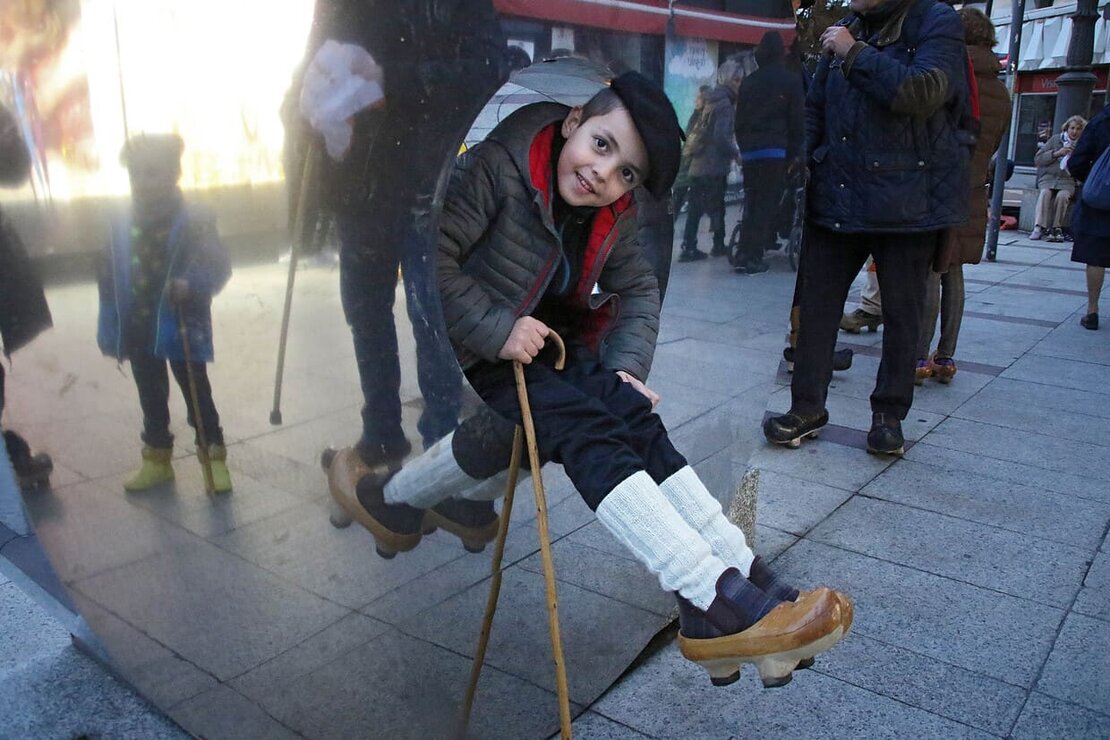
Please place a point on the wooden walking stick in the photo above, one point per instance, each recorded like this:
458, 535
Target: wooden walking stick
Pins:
194, 401
545, 554
307, 175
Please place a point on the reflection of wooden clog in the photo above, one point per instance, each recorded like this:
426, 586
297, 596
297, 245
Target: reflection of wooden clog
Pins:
791, 632
474, 522
345, 471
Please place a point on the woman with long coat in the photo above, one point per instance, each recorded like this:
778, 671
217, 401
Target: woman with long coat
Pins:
964, 244
1090, 227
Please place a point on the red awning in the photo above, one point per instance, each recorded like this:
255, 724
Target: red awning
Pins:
650, 16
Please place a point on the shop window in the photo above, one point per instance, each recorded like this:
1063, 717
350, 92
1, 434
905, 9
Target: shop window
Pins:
1033, 110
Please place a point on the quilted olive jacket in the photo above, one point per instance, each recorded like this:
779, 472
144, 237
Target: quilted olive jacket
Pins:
498, 247
886, 150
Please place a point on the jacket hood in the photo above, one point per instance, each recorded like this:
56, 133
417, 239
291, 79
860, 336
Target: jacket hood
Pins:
770, 49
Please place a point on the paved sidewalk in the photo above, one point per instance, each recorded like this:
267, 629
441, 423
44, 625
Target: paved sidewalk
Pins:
979, 563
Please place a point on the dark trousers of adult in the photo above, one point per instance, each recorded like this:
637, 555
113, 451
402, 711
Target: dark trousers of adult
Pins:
153, 383
707, 197
763, 184
832, 260
599, 428
368, 262
393, 225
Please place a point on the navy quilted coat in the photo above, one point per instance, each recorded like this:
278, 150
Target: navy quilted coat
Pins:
498, 248
886, 152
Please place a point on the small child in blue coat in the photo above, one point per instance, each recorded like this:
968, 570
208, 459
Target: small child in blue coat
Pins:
164, 260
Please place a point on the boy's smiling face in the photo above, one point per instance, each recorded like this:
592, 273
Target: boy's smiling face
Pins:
603, 158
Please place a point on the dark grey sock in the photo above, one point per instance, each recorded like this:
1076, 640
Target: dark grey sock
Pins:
739, 603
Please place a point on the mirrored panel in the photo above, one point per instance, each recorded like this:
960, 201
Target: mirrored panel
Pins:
253, 457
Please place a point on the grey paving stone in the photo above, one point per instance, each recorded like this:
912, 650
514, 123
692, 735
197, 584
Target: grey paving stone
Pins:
399, 606
1072, 342
1083, 376
593, 726
1009, 471
161, 675
1044, 717
1051, 453
1014, 301
1094, 598
771, 542
222, 713
349, 633
795, 505
68, 695
407, 688
215, 610
1039, 570
669, 697
619, 578
1077, 670
821, 461
983, 631
983, 340
1026, 412
600, 635
27, 632
341, 565
1052, 399
941, 688
187, 505
1026, 510
280, 472
87, 528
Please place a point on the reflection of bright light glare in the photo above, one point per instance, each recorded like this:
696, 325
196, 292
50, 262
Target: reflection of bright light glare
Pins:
214, 71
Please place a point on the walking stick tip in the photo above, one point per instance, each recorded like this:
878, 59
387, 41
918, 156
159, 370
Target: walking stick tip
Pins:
275, 417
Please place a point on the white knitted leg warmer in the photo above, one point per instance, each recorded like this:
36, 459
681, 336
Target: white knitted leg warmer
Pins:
436, 476
640, 517
701, 510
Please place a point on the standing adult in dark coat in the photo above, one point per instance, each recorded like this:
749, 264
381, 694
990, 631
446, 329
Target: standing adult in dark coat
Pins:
441, 60
888, 174
1090, 227
712, 150
769, 132
23, 310
964, 245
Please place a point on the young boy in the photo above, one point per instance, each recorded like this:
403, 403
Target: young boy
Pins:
541, 215
164, 261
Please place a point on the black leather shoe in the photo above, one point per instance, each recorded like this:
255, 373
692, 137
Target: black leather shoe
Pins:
791, 427
885, 437
1090, 321
692, 255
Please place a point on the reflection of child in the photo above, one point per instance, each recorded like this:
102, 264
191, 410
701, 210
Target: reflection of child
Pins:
165, 260
538, 233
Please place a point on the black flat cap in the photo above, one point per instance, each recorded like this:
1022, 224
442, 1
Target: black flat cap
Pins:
657, 123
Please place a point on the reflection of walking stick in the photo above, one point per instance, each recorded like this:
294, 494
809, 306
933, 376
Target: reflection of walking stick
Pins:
194, 401
545, 554
307, 175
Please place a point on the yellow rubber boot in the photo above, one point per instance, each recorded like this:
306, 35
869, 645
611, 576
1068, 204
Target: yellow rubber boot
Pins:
156, 469
221, 476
